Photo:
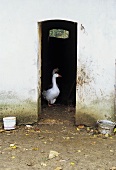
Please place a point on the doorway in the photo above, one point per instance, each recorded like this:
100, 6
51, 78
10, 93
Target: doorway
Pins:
58, 52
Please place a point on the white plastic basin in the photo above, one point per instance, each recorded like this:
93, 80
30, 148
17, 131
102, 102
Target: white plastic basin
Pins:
9, 123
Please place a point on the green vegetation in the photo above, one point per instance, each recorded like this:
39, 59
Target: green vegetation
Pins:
59, 33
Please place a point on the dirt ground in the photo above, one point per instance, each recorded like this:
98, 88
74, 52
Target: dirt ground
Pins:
55, 143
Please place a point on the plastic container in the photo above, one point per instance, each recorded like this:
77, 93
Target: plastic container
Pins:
9, 123
105, 126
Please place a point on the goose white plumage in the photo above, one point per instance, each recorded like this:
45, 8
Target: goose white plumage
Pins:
51, 94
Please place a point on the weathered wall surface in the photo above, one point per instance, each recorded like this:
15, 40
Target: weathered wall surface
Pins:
96, 64
19, 53
18, 61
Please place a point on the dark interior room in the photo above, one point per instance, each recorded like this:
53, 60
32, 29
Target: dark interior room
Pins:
60, 53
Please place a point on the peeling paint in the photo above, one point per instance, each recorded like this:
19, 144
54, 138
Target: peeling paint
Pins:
92, 103
83, 77
85, 74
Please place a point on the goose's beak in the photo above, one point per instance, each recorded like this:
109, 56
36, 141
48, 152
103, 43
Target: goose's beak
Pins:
59, 75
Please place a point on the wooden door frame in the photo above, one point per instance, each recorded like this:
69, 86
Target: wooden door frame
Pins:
39, 67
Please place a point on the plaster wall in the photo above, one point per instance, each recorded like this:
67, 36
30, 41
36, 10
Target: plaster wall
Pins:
19, 55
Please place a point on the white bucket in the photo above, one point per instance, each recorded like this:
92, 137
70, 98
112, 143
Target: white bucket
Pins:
9, 123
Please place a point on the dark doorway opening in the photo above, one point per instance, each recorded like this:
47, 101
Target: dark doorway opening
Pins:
59, 53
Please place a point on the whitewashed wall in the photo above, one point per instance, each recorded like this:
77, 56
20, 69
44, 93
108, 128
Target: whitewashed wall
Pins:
19, 45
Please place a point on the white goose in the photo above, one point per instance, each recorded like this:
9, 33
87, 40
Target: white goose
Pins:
51, 94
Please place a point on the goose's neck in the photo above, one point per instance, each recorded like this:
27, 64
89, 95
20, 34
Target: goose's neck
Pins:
54, 81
